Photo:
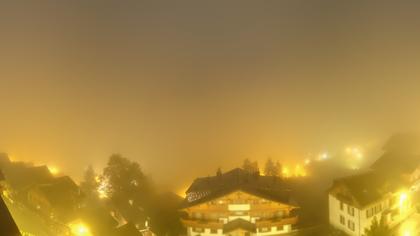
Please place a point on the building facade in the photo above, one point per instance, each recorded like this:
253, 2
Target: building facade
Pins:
388, 192
237, 204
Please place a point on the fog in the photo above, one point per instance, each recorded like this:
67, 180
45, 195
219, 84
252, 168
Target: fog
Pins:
185, 87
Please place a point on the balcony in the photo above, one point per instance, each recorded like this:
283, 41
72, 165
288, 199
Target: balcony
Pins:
202, 223
276, 222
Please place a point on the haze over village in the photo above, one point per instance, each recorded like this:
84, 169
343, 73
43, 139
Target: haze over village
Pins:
209, 118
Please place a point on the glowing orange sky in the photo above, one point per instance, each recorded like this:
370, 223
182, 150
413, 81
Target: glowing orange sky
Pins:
186, 86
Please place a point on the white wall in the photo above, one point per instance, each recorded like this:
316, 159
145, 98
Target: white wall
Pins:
206, 232
275, 231
334, 217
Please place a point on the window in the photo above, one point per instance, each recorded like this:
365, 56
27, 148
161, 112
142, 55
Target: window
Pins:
342, 220
213, 231
280, 214
198, 230
264, 229
368, 213
350, 225
342, 206
350, 210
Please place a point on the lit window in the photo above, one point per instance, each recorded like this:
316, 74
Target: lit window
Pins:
264, 229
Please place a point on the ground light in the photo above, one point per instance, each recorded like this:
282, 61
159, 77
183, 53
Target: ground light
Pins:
53, 170
79, 229
408, 228
403, 202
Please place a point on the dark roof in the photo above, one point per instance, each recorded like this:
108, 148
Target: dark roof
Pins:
59, 190
269, 187
396, 163
239, 224
127, 230
20, 175
7, 224
367, 188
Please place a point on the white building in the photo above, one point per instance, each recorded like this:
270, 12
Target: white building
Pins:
386, 193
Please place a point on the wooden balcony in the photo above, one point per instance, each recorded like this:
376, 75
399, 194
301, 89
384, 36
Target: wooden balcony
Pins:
276, 222
202, 223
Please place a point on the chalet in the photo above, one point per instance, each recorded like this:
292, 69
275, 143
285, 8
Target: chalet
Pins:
59, 198
386, 192
238, 203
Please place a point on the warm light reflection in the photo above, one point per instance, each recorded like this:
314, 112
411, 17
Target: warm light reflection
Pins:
403, 202
323, 156
79, 229
408, 228
53, 170
296, 171
103, 188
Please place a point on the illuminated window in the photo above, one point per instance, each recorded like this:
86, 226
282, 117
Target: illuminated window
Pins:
342, 220
264, 229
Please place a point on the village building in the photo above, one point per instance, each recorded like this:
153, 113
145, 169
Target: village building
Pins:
60, 198
387, 192
239, 203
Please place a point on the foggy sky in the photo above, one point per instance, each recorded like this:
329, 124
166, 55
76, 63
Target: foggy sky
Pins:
184, 87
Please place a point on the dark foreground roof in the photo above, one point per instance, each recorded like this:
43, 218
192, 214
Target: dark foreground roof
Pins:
127, 230
8, 226
269, 187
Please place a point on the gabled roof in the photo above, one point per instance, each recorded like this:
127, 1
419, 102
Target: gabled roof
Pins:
268, 187
364, 189
59, 190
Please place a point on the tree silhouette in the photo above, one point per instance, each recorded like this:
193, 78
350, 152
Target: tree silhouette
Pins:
271, 169
219, 172
89, 184
126, 180
250, 167
378, 228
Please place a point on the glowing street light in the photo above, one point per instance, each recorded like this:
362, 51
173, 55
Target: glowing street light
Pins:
54, 170
403, 202
79, 229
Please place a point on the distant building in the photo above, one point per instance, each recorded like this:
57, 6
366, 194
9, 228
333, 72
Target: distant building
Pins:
238, 203
60, 198
386, 192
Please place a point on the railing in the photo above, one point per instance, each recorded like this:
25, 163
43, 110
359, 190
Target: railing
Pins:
202, 223
276, 222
